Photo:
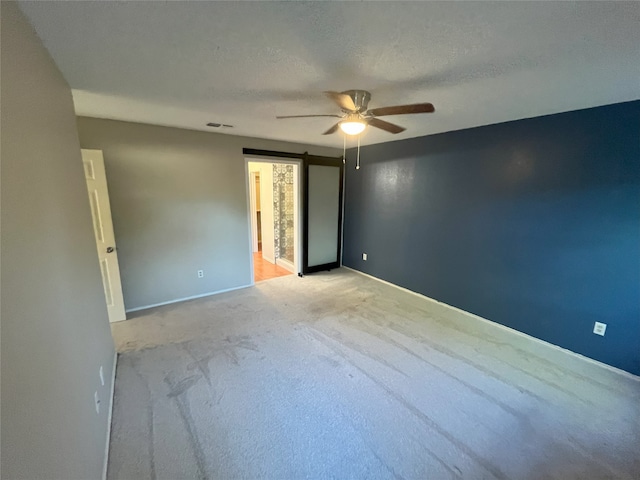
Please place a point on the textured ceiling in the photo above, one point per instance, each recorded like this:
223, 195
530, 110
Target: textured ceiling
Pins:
187, 63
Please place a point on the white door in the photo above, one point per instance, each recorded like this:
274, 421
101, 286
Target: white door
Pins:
95, 175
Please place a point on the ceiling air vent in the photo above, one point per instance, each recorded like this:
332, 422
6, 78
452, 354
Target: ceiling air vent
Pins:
218, 125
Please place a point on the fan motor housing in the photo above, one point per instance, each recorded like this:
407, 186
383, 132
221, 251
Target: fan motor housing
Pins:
360, 99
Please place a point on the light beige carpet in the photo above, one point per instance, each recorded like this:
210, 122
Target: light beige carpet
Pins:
339, 376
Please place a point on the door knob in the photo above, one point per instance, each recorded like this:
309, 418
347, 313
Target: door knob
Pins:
110, 249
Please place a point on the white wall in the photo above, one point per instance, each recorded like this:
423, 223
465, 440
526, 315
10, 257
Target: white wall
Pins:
179, 204
254, 199
55, 330
266, 208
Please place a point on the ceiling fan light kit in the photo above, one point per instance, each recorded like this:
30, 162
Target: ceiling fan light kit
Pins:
353, 125
356, 115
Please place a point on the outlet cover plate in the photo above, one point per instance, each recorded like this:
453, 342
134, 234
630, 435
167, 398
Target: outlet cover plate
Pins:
364, 256
200, 273
599, 328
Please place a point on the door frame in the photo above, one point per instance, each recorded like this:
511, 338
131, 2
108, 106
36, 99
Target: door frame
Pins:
268, 156
253, 176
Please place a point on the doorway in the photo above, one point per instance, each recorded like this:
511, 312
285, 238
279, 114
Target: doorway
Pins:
273, 187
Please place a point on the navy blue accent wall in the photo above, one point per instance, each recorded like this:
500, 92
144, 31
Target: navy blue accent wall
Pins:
534, 224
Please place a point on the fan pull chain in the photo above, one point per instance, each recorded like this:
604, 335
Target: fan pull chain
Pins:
344, 149
358, 158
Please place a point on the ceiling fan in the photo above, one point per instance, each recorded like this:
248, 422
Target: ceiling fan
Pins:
356, 115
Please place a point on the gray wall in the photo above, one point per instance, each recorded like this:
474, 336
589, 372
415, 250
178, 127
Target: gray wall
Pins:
55, 331
179, 204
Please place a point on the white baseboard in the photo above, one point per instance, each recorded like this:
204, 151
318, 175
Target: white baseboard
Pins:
504, 327
110, 415
286, 264
268, 259
178, 300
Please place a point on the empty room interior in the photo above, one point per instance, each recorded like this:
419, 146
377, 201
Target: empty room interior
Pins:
313, 240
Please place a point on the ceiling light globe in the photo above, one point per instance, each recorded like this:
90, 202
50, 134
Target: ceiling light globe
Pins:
352, 127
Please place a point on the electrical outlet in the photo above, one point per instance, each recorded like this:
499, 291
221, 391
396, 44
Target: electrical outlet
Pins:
599, 328
200, 273
96, 398
101, 376
364, 256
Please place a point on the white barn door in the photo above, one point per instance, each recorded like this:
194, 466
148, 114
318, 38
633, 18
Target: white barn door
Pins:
96, 177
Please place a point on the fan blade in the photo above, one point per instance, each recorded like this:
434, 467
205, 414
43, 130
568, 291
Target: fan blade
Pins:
343, 100
403, 109
306, 116
386, 126
332, 129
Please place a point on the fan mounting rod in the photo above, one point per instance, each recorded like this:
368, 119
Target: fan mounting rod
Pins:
360, 99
